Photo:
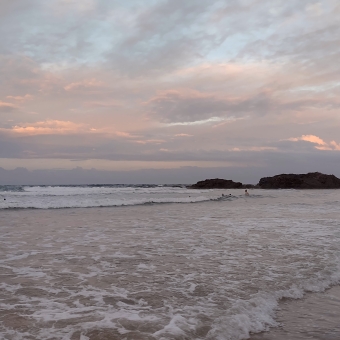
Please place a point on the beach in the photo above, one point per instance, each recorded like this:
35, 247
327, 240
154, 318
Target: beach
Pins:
169, 263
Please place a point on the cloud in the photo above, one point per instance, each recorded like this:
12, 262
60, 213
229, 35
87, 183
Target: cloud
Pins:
320, 143
58, 127
46, 128
126, 135
7, 107
335, 145
81, 6
103, 104
21, 98
150, 141
190, 106
309, 138
197, 122
254, 148
84, 85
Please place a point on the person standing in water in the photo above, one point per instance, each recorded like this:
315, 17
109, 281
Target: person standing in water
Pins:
246, 192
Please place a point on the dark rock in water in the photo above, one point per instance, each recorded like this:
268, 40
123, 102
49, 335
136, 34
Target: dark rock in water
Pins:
312, 180
216, 183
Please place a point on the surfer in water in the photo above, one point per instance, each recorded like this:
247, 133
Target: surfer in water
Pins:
246, 192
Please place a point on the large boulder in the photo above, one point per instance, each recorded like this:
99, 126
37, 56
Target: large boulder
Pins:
312, 180
216, 183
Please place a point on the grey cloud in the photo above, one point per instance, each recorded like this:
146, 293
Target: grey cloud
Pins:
141, 37
165, 36
310, 42
177, 106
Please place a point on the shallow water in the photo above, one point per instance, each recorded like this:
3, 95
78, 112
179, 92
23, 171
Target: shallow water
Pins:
316, 316
215, 269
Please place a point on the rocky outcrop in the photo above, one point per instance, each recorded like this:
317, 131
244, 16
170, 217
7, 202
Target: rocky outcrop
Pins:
216, 183
312, 180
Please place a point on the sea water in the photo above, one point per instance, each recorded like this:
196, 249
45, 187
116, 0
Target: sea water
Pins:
166, 262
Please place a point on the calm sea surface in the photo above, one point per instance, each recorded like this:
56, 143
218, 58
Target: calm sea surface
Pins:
164, 262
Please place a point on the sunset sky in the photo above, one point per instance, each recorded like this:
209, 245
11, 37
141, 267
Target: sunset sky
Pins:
126, 85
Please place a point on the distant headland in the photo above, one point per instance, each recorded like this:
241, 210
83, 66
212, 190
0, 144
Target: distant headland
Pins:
312, 180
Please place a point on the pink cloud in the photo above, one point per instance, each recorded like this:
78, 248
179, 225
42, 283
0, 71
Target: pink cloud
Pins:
5, 105
183, 135
47, 127
21, 98
336, 146
59, 127
308, 138
150, 141
85, 84
320, 143
125, 134
103, 104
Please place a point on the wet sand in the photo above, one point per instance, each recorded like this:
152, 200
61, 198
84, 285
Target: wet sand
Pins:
316, 316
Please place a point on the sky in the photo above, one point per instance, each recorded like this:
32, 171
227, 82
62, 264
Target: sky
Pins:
155, 84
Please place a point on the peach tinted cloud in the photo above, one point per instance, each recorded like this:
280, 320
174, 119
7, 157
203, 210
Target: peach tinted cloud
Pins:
4, 106
21, 98
48, 127
320, 143
58, 127
84, 85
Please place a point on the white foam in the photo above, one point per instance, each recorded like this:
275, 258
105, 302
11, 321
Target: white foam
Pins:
143, 266
178, 326
29, 272
83, 197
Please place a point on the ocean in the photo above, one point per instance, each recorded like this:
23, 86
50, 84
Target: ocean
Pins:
155, 262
